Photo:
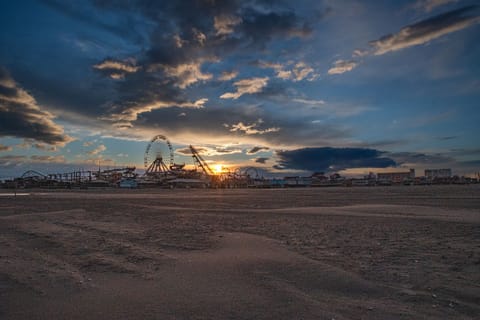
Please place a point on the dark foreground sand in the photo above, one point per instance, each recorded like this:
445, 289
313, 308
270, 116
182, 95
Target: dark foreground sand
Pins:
340, 253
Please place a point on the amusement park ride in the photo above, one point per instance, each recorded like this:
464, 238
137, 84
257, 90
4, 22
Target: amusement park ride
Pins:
154, 157
160, 169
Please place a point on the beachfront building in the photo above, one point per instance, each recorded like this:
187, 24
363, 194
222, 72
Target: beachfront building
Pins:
438, 173
298, 181
396, 177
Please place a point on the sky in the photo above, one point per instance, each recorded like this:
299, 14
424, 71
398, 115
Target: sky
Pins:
289, 87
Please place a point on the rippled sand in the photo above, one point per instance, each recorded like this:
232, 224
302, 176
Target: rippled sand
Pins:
335, 253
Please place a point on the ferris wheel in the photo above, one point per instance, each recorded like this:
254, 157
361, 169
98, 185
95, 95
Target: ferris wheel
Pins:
159, 150
251, 172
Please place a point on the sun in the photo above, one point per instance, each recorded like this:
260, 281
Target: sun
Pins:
218, 168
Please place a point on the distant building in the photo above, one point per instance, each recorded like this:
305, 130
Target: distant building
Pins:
128, 183
438, 173
319, 176
298, 181
396, 177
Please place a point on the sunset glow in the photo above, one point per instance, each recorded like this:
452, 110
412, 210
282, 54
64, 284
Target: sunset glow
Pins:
218, 168
319, 86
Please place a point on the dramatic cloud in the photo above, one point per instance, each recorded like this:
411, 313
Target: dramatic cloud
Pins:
263, 26
188, 152
205, 72
246, 86
342, 66
179, 42
184, 37
209, 151
426, 30
290, 71
5, 148
251, 128
97, 150
117, 69
227, 150
278, 67
179, 46
225, 24
416, 34
44, 147
301, 71
429, 5
228, 75
130, 114
331, 159
20, 116
186, 74
212, 124
199, 37
261, 160
257, 149
360, 53
309, 102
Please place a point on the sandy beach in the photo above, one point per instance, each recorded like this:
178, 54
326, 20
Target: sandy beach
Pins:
319, 253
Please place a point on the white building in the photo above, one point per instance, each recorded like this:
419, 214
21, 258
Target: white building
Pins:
438, 173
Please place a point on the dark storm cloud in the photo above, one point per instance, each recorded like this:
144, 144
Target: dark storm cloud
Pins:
185, 36
257, 149
262, 27
326, 158
143, 92
167, 52
150, 87
426, 30
252, 20
183, 13
20, 116
261, 160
